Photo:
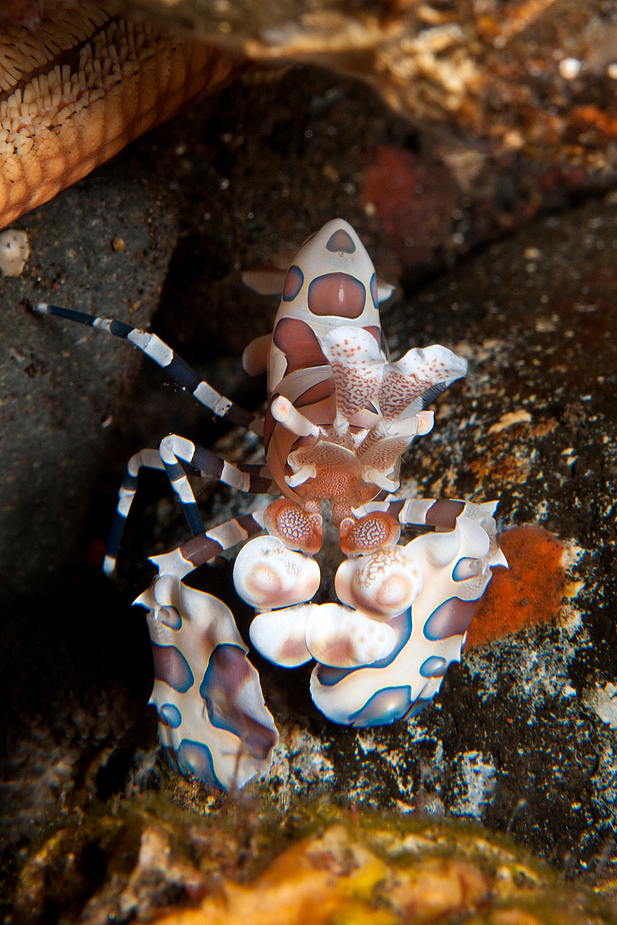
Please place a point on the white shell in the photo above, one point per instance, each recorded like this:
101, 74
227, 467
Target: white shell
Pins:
344, 638
442, 548
280, 635
267, 575
386, 582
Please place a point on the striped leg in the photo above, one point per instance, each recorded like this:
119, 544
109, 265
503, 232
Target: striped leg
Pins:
179, 457
427, 514
440, 515
183, 560
178, 452
167, 359
145, 459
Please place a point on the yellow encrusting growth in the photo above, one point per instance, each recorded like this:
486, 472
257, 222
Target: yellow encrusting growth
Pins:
82, 86
338, 878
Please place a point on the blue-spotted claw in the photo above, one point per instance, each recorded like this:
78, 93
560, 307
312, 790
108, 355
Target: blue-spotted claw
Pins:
212, 715
456, 568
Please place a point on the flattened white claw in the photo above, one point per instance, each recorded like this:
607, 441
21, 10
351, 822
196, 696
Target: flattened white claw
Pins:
386, 582
475, 539
211, 710
267, 575
498, 558
456, 567
442, 548
280, 635
342, 638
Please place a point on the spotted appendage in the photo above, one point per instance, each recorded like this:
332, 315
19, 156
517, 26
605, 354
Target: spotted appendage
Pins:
212, 716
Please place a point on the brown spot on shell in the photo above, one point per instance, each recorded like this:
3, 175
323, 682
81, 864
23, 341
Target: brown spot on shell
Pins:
316, 393
451, 618
337, 294
299, 343
341, 242
171, 666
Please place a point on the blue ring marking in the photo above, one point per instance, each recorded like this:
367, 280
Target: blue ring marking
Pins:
386, 706
434, 667
401, 625
170, 616
215, 691
328, 676
466, 567
171, 667
228, 671
340, 243
336, 294
170, 715
452, 618
374, 292
195, 760
293, 283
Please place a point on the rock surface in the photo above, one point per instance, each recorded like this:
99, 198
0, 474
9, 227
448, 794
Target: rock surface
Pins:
522, 735
102, 249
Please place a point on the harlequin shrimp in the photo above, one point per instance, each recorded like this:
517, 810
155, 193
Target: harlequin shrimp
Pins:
339, 417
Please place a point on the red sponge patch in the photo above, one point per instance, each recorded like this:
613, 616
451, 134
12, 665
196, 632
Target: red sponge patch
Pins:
529, 592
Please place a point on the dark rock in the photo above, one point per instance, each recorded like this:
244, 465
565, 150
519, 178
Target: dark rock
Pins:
62, 384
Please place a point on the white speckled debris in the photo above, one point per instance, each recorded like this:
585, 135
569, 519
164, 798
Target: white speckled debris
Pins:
14, 251
476, 783
603, 701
